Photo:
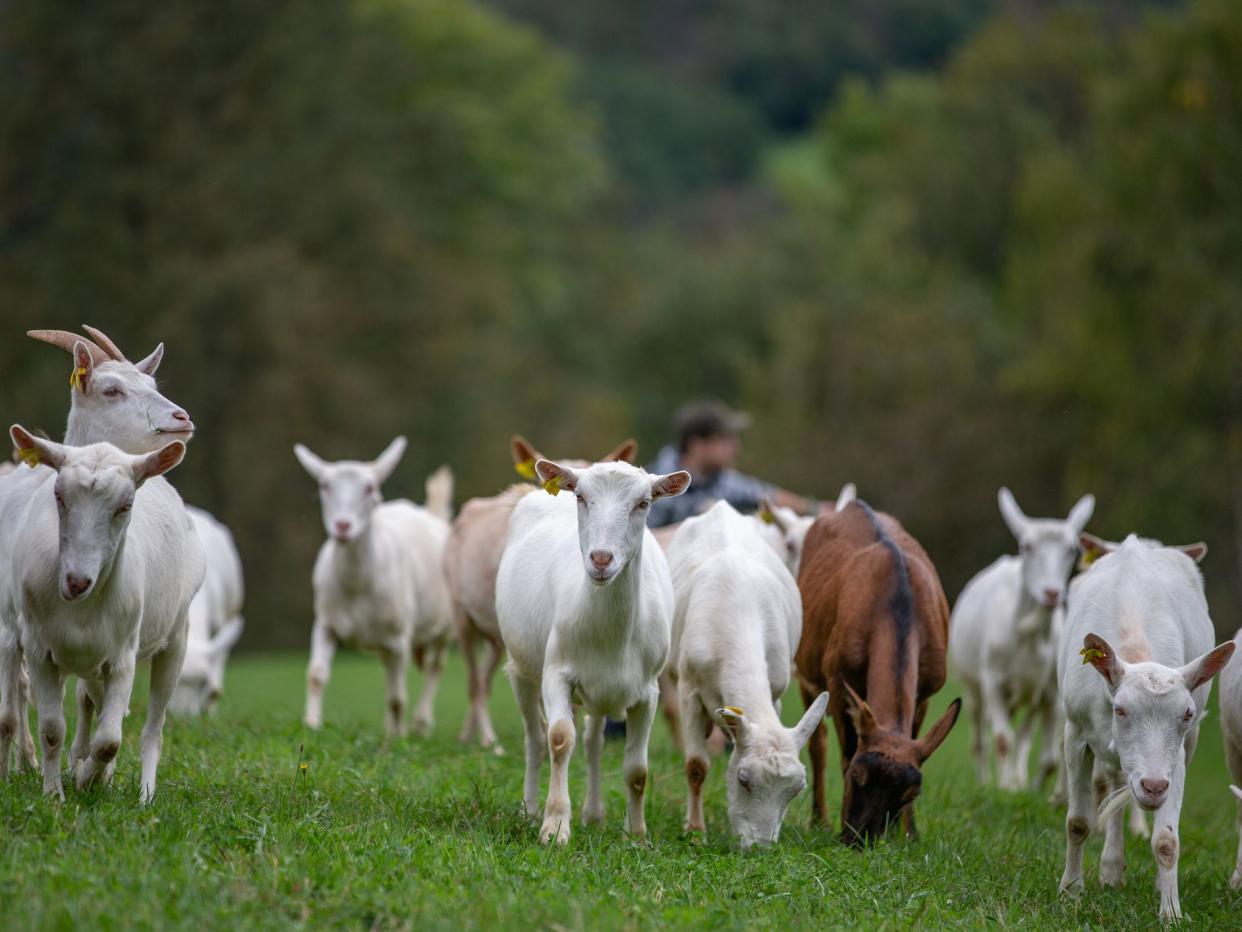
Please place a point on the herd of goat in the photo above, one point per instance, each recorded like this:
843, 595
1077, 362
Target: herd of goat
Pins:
102, 566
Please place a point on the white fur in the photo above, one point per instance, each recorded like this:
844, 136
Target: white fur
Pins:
1230, 701
106, 564
1004, 633
584, 602
784, 530
215, 619
114, 402
736, 626
1137, 708
379, 583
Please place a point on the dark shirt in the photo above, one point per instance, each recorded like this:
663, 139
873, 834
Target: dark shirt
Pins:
738, 489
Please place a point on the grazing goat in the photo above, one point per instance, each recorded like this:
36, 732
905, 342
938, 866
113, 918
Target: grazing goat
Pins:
106, 563
1231, 727
1142, 621
1004, 634
471, 561
874, 626
379, 580
111, 400
585, 602
215, 619
736, 625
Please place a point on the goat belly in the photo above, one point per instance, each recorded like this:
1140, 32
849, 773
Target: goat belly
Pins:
603, 695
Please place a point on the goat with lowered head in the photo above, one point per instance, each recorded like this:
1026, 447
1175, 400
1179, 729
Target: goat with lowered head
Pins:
1004, 634
585, 601
215, 619
471, 561
379, 580
1231, 728
1135, 670
736, 625
111, 400
105, 566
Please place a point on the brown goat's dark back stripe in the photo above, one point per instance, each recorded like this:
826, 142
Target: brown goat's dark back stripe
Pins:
901, 604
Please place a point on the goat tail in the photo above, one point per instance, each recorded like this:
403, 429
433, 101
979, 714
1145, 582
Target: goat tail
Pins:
439, 488
1113, 803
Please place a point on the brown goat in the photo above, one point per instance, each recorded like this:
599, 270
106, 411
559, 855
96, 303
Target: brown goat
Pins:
471, 561
875, 626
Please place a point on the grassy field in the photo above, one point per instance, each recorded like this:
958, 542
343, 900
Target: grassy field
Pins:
427, 834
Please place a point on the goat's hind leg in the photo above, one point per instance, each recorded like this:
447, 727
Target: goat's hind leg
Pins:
165, 668
87, 703
1078, 759
638, 721
526, 692
432, 666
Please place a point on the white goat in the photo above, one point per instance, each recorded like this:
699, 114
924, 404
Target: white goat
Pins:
1231, 727
379, 581
111, 400
1142, 620
471, 561
106, 564
584, 601
736, 627
1003, 641
785, 529
215, 619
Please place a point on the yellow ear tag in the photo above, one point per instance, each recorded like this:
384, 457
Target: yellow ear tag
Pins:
526, 469
553, 485
30, 456
766, 516
735, 710
1092, 654
76, 376
1089, 556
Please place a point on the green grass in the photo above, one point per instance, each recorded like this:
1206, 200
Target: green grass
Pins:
427, 834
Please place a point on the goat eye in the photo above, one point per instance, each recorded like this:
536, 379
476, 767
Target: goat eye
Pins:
642, 506
1119, 712
113, 392
370, 490
1189, 716
581, 500
124, 508
744, 781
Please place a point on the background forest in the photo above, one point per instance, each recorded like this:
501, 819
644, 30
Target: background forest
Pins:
932, 247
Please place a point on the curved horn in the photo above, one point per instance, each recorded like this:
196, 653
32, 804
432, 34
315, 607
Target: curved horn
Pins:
65, 340
103, 340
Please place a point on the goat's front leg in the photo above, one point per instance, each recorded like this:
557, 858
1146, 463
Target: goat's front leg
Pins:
466, 640
593, 806
10, 662
670, 705
526, 692
424, 712
695, 727
1165, 844
394, 660
1050, 741
997, 712
323, 649
1078, 820
1021, 763
99, 761
49, 694
638, 720
557, 702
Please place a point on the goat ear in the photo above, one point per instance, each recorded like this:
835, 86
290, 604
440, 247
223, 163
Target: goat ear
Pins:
1015, 520
151, 363
1081, 513
670, 485
939, 731
524, 456
83, 368
159, 462
848, 493
310, 462
1092, 548
1100, 654
624, 452
860, 713
555, 477
1236, 792
733, 721
34, 450
810, 721
1196, 551
384, 464
1202, 669
224, 639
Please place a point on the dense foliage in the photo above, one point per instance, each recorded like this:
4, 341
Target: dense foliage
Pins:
934, 248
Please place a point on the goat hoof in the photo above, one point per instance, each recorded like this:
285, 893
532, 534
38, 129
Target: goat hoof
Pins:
1235, 882
1071, 888
554, 830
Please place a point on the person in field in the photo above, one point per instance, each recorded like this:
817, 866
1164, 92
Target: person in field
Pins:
709, 441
